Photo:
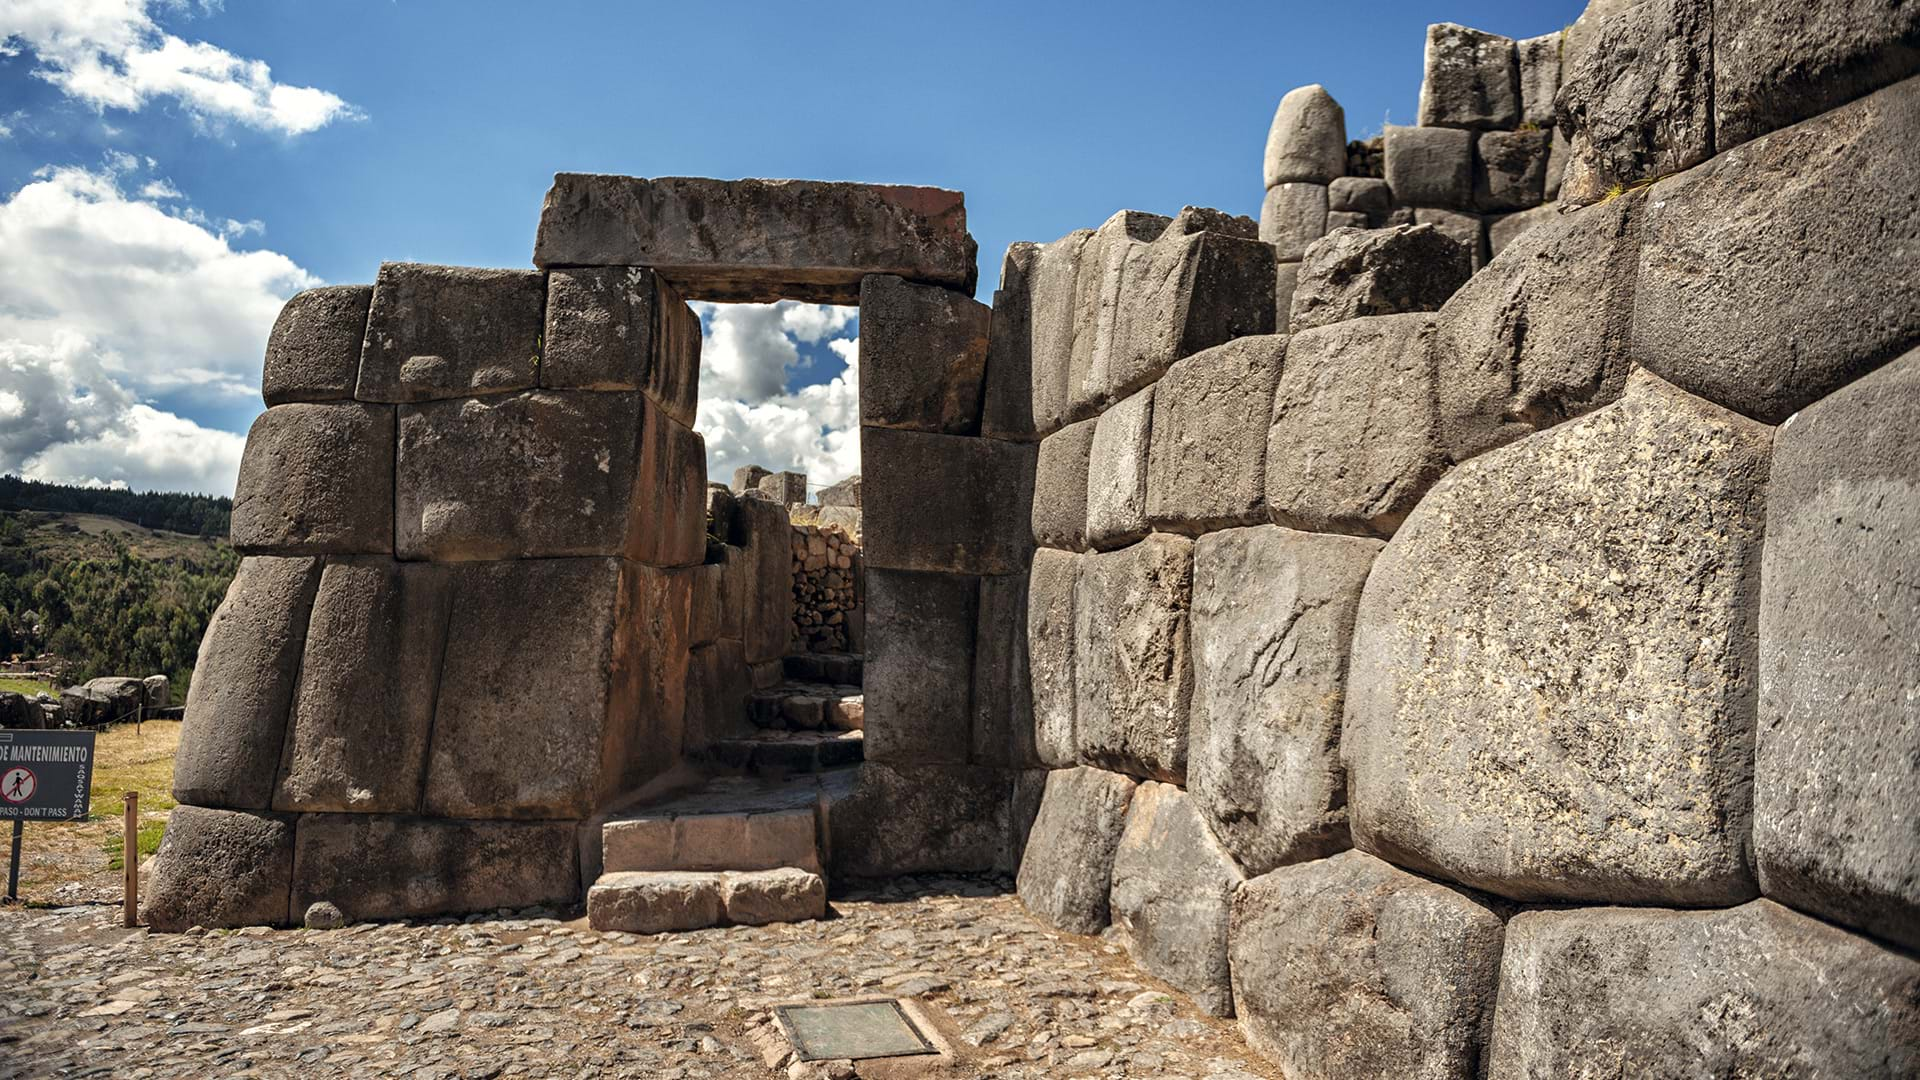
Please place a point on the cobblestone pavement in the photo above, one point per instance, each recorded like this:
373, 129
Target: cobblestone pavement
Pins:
519, 994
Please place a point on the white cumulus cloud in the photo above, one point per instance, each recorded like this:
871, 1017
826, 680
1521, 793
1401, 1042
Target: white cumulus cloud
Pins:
748, 417
112, 54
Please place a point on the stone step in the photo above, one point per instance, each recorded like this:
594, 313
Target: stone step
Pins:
775, 752
802, 706
661, 901
729, 823
849, 668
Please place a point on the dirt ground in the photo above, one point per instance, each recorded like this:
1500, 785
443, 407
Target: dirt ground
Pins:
76, 862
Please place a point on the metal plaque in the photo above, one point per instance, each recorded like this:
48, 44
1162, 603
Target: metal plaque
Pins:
854, 1029
45, 775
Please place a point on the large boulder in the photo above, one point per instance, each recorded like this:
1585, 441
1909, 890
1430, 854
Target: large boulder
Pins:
1503, 229
357, 737
1553, 673
1273, 613
1132, 669
1098, 293
1839, 729
1351, 273
919, 667
451, 331
1510, 169
1429, 166
1467, 229
1066, 873
1172, 894
377, 866
1472, 79
1540, 336
1052, 312
1758, 288
1117, 472
1208, 437
316, 479
244, 678
1539, 65
1292, 216
947, 503
923, 356
1204, 281
1754, 991
313, 352
1776, 63
221, 868
1052, 590
1060, 487
758, 240
1352, 446
1348, 967
621, 328
20, 711
1636, 99
1308, 139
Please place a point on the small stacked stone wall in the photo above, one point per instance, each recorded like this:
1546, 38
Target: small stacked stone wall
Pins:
827, 569
1505, 673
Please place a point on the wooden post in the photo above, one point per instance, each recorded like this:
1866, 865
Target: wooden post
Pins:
130, 860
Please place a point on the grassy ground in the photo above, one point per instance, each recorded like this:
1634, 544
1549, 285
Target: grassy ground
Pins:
86, 856
28, 687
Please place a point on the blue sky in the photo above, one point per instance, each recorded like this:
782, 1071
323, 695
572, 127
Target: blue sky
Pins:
171, 169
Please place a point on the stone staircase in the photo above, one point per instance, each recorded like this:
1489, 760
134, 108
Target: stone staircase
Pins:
748, 846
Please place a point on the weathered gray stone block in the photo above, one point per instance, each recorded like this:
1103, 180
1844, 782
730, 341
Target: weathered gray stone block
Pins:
1353, 273
923, 356
919, 668
591, 654
1539, 66
236, 717
1286, 277
316, 479
1503, 229
1541, 335
1292, 216
758, 240
786, 488
313, 353
549, 473
1636, 99
1839, 730
717, 687
1467, 230
1471, 79
1755, 991
1054, 311
1308, 139
1007, 400
784, 895
1558, 151
1099, 293
920, 819
1051, 606
1060, 487
980, 521
1352, 446
378, 866
1173, 889
357, 736
765, 574
1066, 874
1429, 166
1273, 614
621, 328
221, 868
1002, 711
19, 711
1510, 170
451, 331
159, 691
1778, 63
1367, 195
654, 902
1117, 472
1132, 670
1347, 967
1205, 281
1582, 730
1337, 220
1208, 437
747, 478
1756, 289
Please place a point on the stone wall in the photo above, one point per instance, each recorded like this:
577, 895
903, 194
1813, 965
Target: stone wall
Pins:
1510, 672
828, 609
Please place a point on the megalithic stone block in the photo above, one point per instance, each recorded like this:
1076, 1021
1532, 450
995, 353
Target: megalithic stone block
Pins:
1350, 274
1582, 730
357, 738
747, 478
1367, 195
1133, 671
1777, 63
946, 503
1510, 170
1636, 99
1060, 487
1051, 621
589, 653
1066, 874
1204, 282
717, 686
923, 356
550, 473
1002, 722
1647, 992
1755, 290
1207, 464
758, 240
1117, 472
1308, 139
1273, 614
1293, 216
621, 328
1539, 66
451, 331
221, 869
379, 866
920, 667
1839, 730
1006, 407
1429, 166
1173, 887
249, 663
1505, 228
1099, 293
1467, 230
1349, 967
316, 479
1054, 328
1471, 79
765, 576
912, 819
313, 353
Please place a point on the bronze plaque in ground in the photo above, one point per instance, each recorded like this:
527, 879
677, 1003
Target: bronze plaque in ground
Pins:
852, 1029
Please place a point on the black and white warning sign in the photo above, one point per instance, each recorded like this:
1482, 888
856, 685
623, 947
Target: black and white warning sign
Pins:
45, 775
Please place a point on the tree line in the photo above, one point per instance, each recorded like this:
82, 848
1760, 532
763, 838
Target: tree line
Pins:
174, 511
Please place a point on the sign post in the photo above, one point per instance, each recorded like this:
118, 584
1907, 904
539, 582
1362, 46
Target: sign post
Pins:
130, 861
44, 776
